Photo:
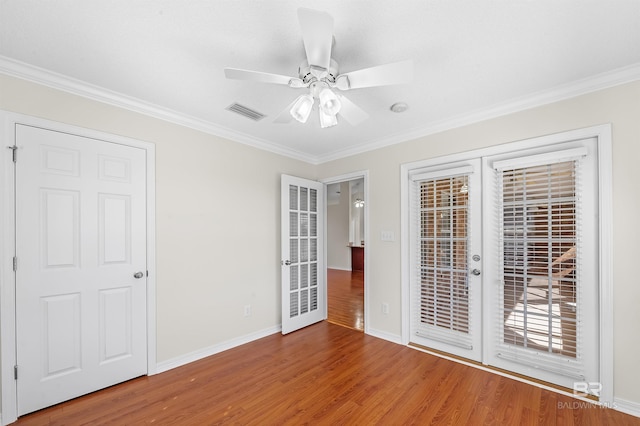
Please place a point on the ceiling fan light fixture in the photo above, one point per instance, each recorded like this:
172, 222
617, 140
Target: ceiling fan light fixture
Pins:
329, 102
327, 120
301, 109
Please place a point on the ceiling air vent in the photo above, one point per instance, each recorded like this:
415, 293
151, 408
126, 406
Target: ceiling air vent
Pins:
246, 112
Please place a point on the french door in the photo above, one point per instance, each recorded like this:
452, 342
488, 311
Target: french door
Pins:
505, 272
303, 270
446, 236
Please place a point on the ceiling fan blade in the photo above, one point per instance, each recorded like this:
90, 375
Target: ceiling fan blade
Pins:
351, 112
285, 115
317, 33
382, 75
262, 77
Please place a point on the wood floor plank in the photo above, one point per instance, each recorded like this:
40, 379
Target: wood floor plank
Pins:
345, 298
325, 375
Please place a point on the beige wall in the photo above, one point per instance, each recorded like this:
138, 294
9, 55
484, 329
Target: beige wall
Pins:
338, 254
218, 219
218, 213
619, 106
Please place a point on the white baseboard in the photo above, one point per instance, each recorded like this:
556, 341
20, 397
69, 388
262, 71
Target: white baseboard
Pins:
628, 407
212, 350
339, 268
393, 338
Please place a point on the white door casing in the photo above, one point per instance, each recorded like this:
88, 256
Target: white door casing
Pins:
81, 234
302, 248
446, 240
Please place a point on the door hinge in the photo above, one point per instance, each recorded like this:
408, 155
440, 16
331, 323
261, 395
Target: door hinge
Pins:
14, 154
15, 372
15, 263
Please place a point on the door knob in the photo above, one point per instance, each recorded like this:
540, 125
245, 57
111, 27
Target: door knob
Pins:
287, 262
475, 272
138, 274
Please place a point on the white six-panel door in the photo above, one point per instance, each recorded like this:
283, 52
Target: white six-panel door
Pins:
81, 265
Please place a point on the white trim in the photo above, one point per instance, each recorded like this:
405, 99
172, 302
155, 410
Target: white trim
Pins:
339, 268
215, 349
67, 84
584, 86
363, 174
605, 247
384, 335
57, 81
539, 159
628, 407
8, 120
614, 406
450, 172
605, 218
8, 406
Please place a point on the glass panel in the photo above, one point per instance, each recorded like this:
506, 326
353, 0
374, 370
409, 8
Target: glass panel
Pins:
304, 276
293, 278
313, 274
313, 225
304, 250
539, 255
293, 197
313, 250
304, 301
444, 220
313, 305
304, 224
303, 199
293, 224
293, 250
313, 200
293, 304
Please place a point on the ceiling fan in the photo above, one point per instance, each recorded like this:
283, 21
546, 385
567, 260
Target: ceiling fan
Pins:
320, 74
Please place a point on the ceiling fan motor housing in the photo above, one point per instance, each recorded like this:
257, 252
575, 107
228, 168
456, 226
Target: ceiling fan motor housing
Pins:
328, 76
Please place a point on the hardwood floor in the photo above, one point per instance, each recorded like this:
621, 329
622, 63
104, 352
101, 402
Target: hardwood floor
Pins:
323, 375
345, 298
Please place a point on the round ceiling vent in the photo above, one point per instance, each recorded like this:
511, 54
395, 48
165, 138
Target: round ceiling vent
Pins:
399, 107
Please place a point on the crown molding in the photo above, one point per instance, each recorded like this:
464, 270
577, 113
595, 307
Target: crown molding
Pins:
24, 71
584, 86
64, 83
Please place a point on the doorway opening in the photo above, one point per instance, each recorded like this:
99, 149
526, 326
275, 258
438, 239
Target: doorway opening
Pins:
346, 253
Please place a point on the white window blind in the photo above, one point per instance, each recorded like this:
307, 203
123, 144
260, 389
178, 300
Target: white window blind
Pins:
539, 211
440, 211
303, 250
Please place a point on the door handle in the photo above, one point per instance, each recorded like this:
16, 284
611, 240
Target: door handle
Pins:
286, 262
138, 275
475, 272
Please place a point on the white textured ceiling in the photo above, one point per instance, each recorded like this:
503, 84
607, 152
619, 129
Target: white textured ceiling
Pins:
472, 59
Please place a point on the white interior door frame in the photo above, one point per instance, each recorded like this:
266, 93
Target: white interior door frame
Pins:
8, 122
605, 237
363, 174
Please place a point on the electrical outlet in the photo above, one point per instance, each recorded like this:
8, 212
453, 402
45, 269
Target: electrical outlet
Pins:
387, 236
247, 310
385, 308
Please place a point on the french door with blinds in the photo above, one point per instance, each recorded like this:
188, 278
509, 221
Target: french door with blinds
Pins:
446, 228
302, 233
506, 272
